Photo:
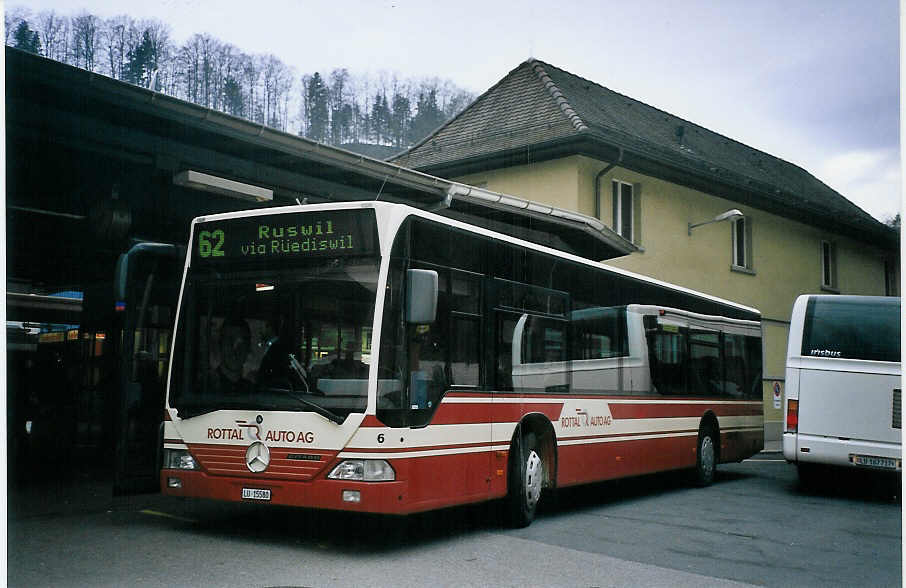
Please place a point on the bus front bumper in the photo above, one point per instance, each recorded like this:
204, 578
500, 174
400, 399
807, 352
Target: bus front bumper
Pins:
373, 497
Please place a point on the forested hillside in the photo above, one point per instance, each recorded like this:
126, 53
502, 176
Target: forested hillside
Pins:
338, 107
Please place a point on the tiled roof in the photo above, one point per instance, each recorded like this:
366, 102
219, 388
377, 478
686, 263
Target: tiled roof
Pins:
539, 111
514, 113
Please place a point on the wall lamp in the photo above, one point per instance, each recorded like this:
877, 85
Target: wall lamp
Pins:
223, 186
729, 215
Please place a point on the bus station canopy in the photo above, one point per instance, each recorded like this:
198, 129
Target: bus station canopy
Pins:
94, 164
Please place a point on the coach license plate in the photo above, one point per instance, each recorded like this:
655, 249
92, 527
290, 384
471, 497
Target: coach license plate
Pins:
256, 494
886, 463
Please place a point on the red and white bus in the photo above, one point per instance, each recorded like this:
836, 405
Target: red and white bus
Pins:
379, 358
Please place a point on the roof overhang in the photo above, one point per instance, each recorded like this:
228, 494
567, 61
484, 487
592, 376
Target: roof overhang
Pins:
554, 227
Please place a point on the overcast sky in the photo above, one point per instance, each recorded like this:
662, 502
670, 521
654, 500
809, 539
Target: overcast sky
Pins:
814, 82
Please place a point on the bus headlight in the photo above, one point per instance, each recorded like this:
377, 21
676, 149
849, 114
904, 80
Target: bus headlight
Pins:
179, 459
363, 470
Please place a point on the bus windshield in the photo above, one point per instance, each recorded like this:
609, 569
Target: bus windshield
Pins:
296, 338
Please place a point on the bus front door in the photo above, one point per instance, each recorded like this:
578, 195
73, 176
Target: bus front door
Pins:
147, 288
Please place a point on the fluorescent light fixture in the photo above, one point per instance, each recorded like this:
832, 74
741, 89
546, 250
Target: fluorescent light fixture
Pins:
201, 181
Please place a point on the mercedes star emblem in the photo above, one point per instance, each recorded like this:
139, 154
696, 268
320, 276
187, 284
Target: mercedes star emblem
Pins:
257, 457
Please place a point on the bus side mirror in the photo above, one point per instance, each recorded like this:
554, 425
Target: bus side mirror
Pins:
421, 296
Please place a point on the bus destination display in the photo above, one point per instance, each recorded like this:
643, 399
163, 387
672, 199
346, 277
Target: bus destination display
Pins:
292, 236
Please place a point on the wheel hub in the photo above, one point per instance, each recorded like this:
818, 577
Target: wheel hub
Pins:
707, 454
533, 474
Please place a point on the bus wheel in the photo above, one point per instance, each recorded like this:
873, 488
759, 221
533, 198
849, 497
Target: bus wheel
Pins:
706, 458
525, 481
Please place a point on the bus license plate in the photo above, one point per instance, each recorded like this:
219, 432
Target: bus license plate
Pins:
887, 463
256, 494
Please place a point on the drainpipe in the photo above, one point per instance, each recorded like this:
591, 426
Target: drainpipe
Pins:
598, 184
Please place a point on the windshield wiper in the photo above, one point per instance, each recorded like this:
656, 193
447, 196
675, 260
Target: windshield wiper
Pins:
307, 403
187, 411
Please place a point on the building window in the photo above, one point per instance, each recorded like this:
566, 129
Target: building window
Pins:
742, 243
623, 210
828, 265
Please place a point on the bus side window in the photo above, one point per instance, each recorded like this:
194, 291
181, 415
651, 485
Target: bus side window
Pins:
465, 329
752, 386
667, 362
705, 371
503, 356
734, 366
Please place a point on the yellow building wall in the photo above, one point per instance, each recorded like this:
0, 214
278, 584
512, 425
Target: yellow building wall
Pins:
554, 182
785, 254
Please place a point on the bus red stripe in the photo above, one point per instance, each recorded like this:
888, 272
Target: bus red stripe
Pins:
464, 413
654, 411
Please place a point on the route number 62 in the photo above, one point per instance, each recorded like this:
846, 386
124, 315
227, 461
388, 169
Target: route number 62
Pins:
210, 243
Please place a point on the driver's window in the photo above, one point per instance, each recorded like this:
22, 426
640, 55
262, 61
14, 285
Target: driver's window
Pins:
428, 345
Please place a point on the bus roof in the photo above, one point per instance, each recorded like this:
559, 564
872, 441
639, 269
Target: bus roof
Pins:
411, 210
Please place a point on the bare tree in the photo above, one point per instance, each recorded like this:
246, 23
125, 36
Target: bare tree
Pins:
191, 65
251, 72
277, 80
159, 35
85, 39
51, 27
208, 46
223, 66
114, 35
305, 105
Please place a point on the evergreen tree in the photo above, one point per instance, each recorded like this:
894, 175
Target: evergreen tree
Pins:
141, 61
27, 39
341, 125
380, 120
400, 119
232, 97
428, 117
317, 112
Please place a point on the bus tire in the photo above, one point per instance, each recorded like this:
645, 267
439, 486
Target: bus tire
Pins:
706, 457
525, 480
